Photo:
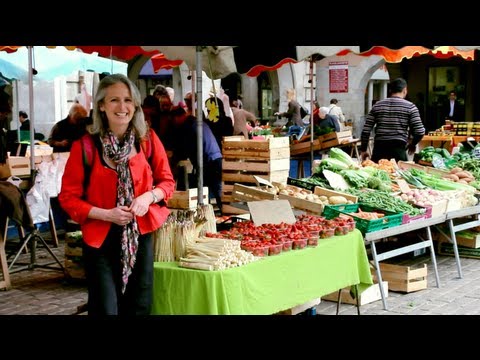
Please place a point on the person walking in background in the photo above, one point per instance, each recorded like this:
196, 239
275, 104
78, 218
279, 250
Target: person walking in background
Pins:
241, 118
23, 117
122, 203
337, 113
397, 124
293, 112
71, 128
453, 110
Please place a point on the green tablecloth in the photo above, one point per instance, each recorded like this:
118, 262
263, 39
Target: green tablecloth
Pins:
272, 284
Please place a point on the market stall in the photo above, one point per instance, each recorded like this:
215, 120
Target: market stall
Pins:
267, 286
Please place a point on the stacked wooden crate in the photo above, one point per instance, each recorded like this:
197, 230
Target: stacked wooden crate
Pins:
268, 159
187, 199
74, 267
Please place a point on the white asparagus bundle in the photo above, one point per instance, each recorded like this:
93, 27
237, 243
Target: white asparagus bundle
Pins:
218, 254
164, 242
207, 212
184, 234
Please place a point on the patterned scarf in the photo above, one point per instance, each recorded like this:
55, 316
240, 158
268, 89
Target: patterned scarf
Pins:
118, 152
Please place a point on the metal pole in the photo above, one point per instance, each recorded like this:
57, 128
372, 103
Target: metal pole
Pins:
199, 124
194, 110
311, 112
32, 112
16, 108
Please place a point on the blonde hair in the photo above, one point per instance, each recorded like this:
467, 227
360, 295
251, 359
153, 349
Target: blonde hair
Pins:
291, 94
100, 121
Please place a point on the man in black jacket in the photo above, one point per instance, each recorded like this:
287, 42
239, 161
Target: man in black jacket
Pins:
453, 110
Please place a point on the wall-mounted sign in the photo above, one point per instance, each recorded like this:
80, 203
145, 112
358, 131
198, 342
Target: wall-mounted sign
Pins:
338, 76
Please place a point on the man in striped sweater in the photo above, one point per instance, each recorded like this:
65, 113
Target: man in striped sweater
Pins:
397, 125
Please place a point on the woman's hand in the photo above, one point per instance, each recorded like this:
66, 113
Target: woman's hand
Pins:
140, 205
120, 215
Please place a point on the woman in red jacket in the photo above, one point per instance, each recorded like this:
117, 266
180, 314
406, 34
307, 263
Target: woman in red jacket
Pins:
121, 203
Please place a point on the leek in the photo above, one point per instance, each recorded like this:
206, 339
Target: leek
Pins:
437, 183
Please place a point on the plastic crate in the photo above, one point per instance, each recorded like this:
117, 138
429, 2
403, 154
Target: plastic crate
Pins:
390, 219
332, 211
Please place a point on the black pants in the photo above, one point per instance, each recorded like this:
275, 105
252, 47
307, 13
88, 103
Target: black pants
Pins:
104, 277
395, 149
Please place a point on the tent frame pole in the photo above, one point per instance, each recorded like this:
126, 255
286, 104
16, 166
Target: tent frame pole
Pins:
199, 67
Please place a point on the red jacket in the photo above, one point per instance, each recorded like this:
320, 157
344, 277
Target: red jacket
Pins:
102, 189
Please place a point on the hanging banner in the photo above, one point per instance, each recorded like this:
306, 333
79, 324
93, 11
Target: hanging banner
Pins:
338, 76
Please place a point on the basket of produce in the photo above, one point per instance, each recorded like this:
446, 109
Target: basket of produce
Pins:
367, 218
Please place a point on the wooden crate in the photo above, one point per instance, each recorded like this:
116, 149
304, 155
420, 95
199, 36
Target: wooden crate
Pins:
255, 166
187, 199
304, 147
18, 165
74, 268
234, 146
335, 138
369, 295
468, 238
405, 165
233, 210
242, 159
247, 193
403, 278
302, 204
231, 177
326, 192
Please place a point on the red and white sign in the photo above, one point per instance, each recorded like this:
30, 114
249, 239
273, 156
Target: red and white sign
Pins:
338, 76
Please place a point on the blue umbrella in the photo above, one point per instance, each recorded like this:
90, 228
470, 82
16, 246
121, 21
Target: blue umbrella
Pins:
49, 63
10, 71
41, 63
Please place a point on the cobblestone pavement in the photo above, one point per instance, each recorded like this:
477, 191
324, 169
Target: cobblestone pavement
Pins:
455, 296
42, 291
47, 292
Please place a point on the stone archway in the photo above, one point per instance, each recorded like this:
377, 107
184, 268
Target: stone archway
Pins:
360, 71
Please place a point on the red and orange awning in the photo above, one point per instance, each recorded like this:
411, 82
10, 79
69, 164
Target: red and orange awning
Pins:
408, 52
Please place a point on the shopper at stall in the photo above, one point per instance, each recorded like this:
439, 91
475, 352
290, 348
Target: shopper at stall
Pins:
69, 129
337, 113
397, 125
212, 157
243, 120
121, 202
327, 120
